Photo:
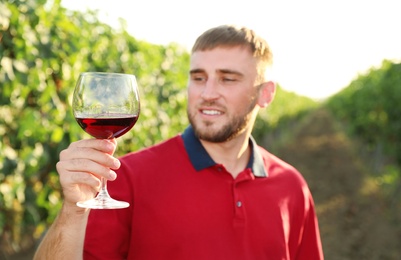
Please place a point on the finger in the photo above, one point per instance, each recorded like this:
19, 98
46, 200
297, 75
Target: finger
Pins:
82, 178
79, 186
103, 145
92, 154
87, 166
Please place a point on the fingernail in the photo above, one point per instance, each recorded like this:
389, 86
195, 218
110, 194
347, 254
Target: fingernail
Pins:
112, 175
117, 163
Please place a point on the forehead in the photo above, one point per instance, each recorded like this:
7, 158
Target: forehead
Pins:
224, 58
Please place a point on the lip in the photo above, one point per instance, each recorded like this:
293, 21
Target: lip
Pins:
210, 112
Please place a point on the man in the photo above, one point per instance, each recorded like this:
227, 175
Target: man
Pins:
208, 193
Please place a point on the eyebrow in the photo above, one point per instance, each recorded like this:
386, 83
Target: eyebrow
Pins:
222, 71
227, 71
196, 71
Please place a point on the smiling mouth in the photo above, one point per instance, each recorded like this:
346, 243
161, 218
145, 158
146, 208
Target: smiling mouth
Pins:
211, 112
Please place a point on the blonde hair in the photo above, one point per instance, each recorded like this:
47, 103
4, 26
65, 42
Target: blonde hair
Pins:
234, 36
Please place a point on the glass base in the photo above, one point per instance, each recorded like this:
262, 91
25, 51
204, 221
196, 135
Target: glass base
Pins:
103, 203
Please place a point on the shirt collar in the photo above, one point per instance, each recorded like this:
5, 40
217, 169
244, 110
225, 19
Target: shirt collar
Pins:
200, 159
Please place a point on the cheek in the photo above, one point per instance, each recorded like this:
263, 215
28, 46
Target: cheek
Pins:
192, 94
242, 103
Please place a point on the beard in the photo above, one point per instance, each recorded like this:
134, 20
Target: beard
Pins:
236, 125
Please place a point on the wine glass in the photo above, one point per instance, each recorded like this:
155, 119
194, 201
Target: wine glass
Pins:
106, 106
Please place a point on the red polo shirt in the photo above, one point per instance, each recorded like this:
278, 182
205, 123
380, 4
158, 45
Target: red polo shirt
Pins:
184, 206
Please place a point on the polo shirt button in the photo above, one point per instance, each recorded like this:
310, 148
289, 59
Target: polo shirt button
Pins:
239, 204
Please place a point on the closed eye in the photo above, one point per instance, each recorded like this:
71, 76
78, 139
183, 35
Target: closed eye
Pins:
229, 76
197, 75
228, 79
198, 78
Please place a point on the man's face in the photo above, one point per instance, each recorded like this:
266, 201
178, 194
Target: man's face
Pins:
222, 95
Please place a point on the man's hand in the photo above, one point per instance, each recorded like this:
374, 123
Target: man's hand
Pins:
82, 164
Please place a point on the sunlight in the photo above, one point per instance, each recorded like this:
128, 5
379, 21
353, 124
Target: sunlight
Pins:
319, 47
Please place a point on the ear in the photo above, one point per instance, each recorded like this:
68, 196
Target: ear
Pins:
267, 92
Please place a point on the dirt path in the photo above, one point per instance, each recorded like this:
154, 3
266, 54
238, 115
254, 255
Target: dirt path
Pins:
353, 218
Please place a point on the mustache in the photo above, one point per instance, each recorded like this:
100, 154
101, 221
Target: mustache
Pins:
210, 104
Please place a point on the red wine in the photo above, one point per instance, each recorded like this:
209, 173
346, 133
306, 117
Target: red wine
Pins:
106, 127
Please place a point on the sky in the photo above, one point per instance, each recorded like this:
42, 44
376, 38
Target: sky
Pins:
319, 46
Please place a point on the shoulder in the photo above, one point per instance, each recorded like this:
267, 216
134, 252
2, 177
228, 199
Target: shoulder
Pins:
153, 158
278, 168
168, 147
288, 182
149, 162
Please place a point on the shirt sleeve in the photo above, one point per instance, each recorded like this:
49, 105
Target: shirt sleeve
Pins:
310, 246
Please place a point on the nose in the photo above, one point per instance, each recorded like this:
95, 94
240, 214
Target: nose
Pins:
210, 90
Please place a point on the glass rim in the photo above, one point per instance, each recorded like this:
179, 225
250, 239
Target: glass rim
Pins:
105, 73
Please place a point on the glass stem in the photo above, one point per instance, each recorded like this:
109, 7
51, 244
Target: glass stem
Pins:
103, 190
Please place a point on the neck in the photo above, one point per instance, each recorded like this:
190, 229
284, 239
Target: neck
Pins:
233, 154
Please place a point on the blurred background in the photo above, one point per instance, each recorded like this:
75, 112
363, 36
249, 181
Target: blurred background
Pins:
318, 46
343, 135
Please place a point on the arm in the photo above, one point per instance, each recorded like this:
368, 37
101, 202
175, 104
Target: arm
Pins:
311, 245
79, 168
65, 238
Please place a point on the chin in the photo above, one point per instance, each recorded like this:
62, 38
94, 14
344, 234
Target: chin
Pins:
213, 135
